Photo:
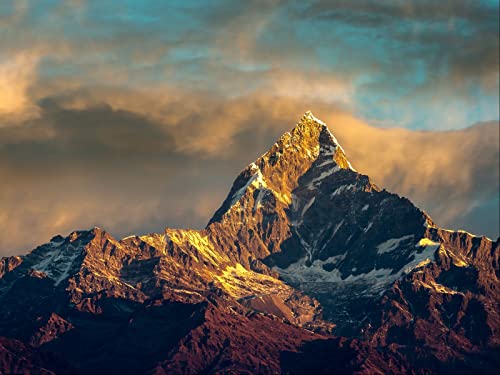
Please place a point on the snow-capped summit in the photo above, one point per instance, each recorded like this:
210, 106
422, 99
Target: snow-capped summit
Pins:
308, 120
308, 146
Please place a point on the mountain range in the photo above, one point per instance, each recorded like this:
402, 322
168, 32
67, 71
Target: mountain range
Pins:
306, 267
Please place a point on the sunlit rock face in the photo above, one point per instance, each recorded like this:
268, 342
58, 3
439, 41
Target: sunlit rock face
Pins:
303, 247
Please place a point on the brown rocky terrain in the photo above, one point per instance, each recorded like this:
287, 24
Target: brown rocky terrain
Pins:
307, 267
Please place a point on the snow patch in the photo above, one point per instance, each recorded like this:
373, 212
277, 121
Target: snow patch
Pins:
312, 185
368, 227
335, 230
58, 262
464, 231
256, 180
128, 237
326, 163
392, 244
427, 242
300, 272
374, 281
337, 227
327, 150
342, 189
307, 206
305, 245
57, 243
428, 249
260, 196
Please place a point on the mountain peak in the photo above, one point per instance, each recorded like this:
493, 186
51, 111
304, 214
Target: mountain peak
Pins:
308, 126
318, 138
314, 136
310, 144
311, 118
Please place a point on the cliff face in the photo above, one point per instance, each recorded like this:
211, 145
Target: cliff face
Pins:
303, 249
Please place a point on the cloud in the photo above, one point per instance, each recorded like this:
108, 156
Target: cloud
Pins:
134, 162
396, 62
411, 62
17, 73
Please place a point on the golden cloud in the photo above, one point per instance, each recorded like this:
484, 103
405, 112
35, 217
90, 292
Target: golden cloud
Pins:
17, 73
135, 161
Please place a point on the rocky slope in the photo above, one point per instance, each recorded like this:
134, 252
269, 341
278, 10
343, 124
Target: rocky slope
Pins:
304, 249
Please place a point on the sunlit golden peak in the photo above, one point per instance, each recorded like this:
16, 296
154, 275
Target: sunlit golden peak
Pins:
309, 116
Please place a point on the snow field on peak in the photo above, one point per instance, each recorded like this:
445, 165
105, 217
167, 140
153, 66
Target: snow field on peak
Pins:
392, 244
314, 183
58, 262
256, 180
375, 280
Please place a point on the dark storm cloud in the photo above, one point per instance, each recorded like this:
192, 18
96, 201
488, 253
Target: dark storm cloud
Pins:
98, 134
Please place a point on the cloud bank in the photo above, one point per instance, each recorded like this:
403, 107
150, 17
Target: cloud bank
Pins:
134, 162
